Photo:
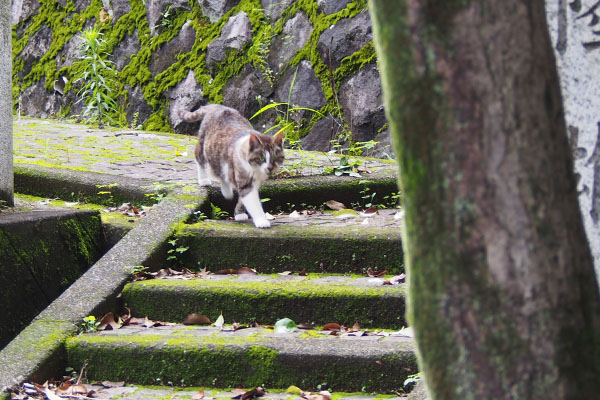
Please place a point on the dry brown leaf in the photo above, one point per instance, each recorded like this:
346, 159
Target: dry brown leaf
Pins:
332, 326
199, 395
376, 274
258, 392
371, 211
108, 322
302, 273
335, 205
246, 271
227, 271
356, 326
196, 319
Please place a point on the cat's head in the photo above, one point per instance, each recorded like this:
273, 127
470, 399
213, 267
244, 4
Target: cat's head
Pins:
266, 152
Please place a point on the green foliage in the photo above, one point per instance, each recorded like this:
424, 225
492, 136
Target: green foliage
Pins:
97, 79
89, 324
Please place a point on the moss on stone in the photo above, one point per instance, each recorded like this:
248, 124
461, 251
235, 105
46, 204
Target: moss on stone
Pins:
188, 359
264, 301
65, 24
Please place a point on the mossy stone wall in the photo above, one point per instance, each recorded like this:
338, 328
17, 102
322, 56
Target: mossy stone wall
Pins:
161, 49
41, 254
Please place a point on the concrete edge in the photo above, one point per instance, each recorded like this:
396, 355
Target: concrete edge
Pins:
74, 185
38, 351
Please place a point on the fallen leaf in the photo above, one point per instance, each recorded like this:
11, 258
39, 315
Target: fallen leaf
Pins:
294, 390
323, 395
305, 326
246, 271
239, 271
196, 319
295, 214
285, 325
285, 273
258, 392
356, 326
369, 212
51, 395
395, 280
332, 326
335, 205
346, 213
108, 322
302, 273
199, 395
376, 274
220, 321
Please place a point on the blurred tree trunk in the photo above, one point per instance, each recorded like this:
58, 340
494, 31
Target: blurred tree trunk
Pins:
502, 292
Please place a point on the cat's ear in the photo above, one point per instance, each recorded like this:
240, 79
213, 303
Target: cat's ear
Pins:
278, 140
254, 142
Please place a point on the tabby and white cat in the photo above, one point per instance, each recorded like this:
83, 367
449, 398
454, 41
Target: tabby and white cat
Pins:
231, 151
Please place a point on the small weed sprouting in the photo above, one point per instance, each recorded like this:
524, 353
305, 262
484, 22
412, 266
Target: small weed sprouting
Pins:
217, 212
107, 193
175, 249
90, 324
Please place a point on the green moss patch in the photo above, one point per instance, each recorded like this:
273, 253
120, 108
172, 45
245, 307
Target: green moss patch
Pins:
267, 301
41, 254
188, 357
219, 245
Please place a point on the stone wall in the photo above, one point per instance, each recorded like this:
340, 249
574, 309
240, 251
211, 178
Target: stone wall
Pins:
574, 31
182, 54
41, 254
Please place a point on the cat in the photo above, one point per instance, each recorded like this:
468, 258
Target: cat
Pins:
241, 158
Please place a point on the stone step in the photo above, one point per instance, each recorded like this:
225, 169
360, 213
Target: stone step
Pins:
313, 299
316, 242
206, 356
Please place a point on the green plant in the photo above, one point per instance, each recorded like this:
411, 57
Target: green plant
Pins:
217, 212
411, 381
286, 125
97, 79
107, 193
90, 324
175, 249
166, 20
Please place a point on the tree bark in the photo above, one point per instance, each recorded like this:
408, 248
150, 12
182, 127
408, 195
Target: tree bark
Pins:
6, 152
502, 292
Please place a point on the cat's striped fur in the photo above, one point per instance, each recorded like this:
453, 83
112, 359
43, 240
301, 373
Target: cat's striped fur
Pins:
231, 151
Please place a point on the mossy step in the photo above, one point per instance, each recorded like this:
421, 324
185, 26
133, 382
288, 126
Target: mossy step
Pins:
264, 299
201, 356
166, 392
316, 243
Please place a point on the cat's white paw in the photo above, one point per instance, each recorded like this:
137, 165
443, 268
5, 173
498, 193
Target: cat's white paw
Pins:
204, 182
262, 223
241, 217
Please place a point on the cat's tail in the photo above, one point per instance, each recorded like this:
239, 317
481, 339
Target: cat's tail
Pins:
192, 116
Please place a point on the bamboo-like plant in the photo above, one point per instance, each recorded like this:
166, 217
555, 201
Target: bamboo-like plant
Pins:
97, 79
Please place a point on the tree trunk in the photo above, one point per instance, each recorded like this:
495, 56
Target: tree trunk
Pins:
6, 152
502, 292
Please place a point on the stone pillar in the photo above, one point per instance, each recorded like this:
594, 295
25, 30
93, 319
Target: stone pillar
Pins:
6, 151
573, 29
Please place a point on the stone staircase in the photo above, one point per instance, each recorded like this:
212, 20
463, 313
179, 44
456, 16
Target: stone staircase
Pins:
310, 267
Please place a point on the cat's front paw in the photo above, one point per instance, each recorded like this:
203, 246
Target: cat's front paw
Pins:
204, 182
241, 217
262, 223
